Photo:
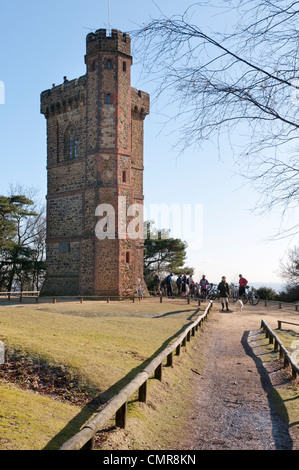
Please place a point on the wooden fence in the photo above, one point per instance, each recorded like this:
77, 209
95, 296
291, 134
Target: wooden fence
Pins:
35, 295
54, 299
84, 439
287, 322
280, 305
273, 339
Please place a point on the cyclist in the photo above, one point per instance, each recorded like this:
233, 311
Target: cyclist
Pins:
242, 284
204, 286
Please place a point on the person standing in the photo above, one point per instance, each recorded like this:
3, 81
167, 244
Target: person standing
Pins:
157, 285
139, 289
223, 289
169, 285
184, 284
204, 286
242, 284
179, 284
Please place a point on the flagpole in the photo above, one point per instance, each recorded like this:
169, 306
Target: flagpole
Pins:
109, 17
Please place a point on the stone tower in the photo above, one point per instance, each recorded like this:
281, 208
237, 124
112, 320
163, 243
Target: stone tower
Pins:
94, 157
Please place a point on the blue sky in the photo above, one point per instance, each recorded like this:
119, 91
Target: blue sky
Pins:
42, 42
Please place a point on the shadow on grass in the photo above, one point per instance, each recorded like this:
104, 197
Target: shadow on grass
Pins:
278, 410
176, 312
95, 405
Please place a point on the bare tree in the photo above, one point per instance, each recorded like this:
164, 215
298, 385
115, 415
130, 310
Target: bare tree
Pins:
242, 86
290, 267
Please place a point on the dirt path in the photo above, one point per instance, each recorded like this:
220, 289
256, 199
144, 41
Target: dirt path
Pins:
232, 409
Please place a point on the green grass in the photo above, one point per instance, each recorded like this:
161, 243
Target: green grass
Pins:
290, 340
102, 349
105, 344
29, 421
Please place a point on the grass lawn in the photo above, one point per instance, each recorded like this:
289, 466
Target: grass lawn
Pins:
106, 345
29, 421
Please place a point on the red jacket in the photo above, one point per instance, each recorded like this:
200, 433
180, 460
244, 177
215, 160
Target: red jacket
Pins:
243, 282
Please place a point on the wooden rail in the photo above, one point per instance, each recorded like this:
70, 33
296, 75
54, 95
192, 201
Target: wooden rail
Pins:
87, 297
287, 322
84, 439
133, 297
280, 304
288, 360
27, 293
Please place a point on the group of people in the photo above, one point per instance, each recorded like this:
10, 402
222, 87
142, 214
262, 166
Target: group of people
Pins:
186, 286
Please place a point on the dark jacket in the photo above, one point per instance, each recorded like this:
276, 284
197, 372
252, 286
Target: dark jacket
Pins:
223, 289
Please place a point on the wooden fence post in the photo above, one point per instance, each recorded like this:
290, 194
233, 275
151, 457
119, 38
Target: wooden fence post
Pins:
121, 416
89, 445
170, 360
294, 373
142, 394
158, 372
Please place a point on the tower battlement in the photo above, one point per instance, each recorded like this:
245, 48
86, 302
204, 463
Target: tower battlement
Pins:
140, 101
101, 42
62, 97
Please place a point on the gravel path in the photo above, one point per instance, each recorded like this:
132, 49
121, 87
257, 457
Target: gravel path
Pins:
232, 410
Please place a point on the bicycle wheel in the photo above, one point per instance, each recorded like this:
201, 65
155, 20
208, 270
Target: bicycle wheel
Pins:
211, 295
254, 299
235, 296
244, 298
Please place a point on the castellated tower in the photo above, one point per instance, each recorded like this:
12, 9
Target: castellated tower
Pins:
94, 157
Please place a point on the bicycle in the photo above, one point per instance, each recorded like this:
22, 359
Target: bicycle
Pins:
253, 297
235, 294
249, 295
212, 292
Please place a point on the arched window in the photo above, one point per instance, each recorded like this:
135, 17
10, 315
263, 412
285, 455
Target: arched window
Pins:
71, 144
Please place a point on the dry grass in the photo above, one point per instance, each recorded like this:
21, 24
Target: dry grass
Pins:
105, 344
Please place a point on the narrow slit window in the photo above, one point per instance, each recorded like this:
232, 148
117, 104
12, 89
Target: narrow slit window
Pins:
124, 176
71, 144
128, 257
108, 98
109, 64
124, 66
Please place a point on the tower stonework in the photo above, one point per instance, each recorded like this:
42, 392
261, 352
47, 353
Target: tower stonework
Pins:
94, 157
